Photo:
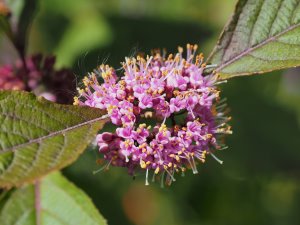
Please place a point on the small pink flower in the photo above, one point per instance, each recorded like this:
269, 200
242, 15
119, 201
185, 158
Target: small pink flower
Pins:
145, 101
124, 132
177, 104
141, 134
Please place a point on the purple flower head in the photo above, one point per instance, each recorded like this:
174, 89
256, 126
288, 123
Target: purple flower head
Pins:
175, 95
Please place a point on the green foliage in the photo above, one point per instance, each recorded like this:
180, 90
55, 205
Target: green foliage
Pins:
263, 35
24, 23
38, 136
52, 200
5, 27
16, 25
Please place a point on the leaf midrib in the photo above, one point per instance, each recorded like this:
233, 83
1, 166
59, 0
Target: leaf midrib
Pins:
249, 50
52, 134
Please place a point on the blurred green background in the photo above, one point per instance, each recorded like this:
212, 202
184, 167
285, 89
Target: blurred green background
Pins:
259, 182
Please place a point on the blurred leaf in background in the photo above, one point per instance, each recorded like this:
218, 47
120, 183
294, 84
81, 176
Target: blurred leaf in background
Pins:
90, 32
289, 90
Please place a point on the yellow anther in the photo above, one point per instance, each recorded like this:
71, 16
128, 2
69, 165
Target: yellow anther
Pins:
143, 125
176, 92
176, 128
143, 164
104, 75
76, 101
156, 170
163, 127
144, 145
130, 98
190, 134
86, 81
209, 135
180, 49
203, 155
164, 73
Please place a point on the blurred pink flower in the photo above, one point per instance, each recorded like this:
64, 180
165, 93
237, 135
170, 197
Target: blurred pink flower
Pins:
42, 78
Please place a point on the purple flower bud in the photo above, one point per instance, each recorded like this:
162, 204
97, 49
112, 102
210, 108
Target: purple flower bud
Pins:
103, 147
105, 137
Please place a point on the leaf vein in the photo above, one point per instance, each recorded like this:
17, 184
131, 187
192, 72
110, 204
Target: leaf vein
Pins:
247, 51
293, 14
54, 133
253, 25
272, 24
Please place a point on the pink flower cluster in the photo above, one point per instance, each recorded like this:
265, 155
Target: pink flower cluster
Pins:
173, 96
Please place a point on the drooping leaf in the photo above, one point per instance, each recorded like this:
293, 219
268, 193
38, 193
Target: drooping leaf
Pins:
52, 200
262, 35
16, 25
38, 136
4, 20
24, 23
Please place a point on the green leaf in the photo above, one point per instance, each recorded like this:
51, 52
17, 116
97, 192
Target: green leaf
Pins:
52, 200
262, 35
38, 136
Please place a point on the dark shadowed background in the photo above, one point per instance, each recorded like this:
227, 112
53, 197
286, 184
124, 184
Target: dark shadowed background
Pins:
259, 182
